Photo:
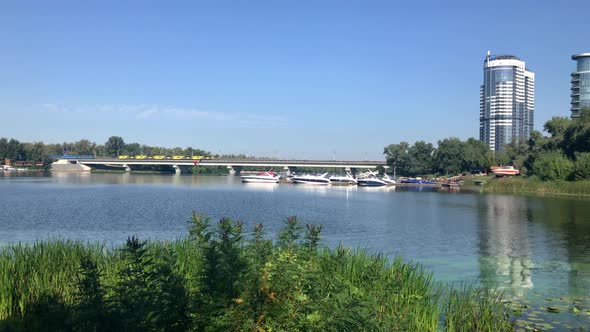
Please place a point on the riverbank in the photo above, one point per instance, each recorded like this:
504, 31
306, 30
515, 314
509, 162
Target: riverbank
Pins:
222, 280
533, 185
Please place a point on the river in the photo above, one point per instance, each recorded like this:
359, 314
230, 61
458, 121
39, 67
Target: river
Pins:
535, 249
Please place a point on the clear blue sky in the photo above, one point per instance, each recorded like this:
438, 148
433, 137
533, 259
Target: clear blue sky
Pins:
292, 79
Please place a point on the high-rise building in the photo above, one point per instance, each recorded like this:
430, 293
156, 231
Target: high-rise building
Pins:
507, 101
581, 83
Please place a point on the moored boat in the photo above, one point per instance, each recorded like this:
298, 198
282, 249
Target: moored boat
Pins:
451, 184
371, 181
311, 179
385, 178
345, 180
262, 177
7, 168
505, 171
417, 181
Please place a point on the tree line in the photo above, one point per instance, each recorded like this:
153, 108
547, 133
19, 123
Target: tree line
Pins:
562, 154
39, 152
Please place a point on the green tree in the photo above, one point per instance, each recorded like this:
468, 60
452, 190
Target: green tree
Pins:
132, 149
36, 152
476, 156
114, 145
83, 147
553, 165
449, 156
557, 128
3, 149
582, 166
15, 150
518, 155
177, 151
577, 135
421, 160
397, 157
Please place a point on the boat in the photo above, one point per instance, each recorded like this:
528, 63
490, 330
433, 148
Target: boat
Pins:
451, 184
417, 181
262, 177
347, 179
385, 178
505, 171
370, 181
7, 168
311, 179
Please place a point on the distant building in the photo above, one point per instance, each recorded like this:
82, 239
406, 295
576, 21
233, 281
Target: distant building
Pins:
507, 101
581, 83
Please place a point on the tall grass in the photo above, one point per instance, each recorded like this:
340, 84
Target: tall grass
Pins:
535, 185
216, 279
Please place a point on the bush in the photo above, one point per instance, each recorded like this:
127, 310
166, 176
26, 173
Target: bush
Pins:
582, 166
553, 165
219, 279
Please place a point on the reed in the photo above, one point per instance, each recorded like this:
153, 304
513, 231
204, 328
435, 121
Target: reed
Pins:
469, 308
217, 279
534, 185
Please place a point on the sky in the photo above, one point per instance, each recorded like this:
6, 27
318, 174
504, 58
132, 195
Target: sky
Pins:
288, 79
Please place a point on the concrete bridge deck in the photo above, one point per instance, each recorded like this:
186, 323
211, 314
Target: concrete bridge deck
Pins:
234, 165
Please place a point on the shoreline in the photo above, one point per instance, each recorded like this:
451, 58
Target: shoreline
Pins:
533, 186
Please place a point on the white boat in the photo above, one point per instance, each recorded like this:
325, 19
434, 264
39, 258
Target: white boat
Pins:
371, 181
505, 171
7, 168
385, 178
262, 177
347, 179
311, 179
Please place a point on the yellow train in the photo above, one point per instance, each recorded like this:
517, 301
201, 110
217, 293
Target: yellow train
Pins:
160, 157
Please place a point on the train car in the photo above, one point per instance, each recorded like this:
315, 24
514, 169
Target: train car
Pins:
141, 157
123, 156
178, 157
159, 157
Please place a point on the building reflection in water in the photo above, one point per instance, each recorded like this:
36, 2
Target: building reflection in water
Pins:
505, 255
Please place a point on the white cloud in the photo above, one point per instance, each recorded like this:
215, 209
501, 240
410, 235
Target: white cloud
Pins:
142, 112
145, 114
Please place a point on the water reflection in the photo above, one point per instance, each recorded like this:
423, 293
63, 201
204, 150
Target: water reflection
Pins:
378, 189
312, 188
270, 187
569, 222
505, 258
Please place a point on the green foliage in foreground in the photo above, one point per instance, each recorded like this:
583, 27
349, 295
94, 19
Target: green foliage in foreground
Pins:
222, 280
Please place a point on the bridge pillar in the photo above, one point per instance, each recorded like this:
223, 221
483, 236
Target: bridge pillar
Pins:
127, 168
234, 170
177, 169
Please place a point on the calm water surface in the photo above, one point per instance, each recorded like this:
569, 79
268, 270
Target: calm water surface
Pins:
536, 249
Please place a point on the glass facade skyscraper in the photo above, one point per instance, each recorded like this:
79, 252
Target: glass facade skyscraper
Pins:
581, 83
507, 101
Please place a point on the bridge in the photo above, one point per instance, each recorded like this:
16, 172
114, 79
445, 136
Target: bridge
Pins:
234, 166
